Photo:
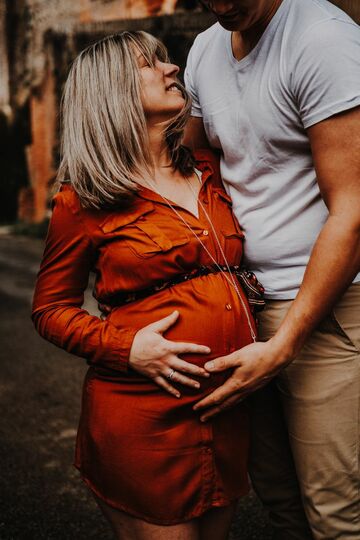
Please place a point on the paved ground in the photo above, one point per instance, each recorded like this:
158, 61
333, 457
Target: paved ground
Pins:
41, 496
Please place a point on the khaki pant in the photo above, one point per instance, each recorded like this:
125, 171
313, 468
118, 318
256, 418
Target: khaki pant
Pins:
313, 408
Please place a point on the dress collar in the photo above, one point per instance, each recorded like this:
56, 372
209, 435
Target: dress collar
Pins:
202, 163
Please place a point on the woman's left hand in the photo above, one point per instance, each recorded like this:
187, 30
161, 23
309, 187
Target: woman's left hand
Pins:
156, 357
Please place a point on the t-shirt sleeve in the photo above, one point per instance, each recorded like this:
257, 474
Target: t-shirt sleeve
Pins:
325, 70
59, 293
189, 79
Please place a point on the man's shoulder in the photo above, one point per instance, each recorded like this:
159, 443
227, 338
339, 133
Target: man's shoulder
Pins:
312, 18
317, 9
207, 34
316, 26
207, 38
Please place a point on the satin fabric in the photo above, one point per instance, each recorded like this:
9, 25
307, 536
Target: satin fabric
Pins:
138, 448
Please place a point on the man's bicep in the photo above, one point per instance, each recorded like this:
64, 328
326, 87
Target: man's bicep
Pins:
335, 145
195, 136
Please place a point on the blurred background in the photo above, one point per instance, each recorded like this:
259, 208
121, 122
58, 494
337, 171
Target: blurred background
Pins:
40, 386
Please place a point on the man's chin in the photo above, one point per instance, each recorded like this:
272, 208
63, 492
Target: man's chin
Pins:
232, 25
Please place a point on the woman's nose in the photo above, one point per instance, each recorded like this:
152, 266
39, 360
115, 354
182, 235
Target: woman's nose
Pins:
171, 70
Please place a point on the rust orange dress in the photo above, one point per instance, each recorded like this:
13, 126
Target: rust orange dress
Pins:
138, 448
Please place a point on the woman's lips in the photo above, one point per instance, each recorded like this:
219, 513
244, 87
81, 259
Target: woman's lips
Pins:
174, 87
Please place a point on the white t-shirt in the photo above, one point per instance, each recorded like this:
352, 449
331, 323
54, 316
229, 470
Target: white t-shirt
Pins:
304, 69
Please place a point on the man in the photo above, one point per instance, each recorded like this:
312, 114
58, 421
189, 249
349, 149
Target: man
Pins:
276, 88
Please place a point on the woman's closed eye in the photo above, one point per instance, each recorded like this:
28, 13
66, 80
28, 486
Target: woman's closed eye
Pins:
146, 62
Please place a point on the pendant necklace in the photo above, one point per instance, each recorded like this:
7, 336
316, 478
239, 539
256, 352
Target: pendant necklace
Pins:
227, 275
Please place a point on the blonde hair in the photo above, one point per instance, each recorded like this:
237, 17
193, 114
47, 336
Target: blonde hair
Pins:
104, 143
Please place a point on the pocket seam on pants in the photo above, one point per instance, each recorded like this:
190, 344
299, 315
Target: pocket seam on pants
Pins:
341, 330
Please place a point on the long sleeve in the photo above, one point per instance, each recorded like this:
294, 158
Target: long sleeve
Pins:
59, 292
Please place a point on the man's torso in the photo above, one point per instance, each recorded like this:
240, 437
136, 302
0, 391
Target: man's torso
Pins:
257, 111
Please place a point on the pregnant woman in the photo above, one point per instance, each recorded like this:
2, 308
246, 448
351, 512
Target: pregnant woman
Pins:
156, 227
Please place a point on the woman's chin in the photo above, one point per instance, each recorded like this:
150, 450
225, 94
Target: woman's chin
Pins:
165, 116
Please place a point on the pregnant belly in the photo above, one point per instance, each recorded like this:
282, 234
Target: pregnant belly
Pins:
210, 314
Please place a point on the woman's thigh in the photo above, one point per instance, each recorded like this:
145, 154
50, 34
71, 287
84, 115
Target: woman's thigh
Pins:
213, 525
127, 527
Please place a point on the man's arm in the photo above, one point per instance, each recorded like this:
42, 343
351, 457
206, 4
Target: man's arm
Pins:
195, 136
334, 262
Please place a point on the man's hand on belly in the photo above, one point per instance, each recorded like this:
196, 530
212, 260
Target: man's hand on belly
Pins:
254, 366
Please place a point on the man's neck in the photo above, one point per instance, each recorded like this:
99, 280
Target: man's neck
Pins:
243, 42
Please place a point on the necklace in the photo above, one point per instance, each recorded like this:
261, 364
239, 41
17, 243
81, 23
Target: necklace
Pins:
227, 275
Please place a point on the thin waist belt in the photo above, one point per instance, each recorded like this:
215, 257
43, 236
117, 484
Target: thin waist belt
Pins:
249, 282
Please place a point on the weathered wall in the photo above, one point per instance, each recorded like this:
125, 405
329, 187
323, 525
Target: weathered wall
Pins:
4, 64
97, 10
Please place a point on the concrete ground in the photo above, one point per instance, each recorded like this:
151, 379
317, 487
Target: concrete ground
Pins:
41, 495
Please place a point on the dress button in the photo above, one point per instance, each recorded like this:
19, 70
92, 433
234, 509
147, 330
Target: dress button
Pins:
228, 307
206, 232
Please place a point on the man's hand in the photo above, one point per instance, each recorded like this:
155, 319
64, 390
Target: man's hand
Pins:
254, 366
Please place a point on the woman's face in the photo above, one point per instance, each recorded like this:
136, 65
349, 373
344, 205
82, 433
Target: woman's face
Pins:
161, 96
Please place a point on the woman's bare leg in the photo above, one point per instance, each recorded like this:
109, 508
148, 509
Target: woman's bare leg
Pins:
127, 527
215, 524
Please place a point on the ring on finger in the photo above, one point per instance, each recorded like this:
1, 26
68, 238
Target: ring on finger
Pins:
171, 374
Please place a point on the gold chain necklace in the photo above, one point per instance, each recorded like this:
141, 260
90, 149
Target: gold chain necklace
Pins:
227, 275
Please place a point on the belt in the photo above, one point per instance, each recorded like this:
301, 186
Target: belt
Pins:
249, 282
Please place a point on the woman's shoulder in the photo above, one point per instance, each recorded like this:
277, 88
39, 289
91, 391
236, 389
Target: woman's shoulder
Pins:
66, 197
66, 203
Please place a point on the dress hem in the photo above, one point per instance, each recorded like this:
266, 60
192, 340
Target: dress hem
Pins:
213, 504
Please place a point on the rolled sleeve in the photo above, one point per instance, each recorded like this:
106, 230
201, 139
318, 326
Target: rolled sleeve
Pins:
326, 70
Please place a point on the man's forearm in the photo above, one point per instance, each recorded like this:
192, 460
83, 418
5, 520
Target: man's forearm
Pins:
334, 262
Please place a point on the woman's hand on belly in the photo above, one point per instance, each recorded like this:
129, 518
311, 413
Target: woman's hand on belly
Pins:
157, 358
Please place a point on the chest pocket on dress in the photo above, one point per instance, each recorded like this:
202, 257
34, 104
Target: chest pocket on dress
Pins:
142, 235
149, 239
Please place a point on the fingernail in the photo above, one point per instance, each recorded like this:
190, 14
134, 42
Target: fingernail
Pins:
209, 366
202, 418
178, 395
197, 385
195, 407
